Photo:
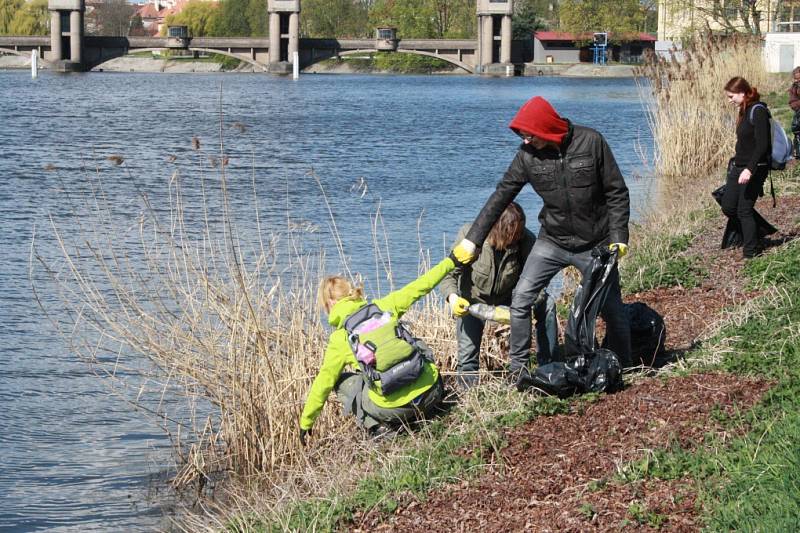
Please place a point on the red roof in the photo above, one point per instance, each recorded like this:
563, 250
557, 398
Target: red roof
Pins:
566, 36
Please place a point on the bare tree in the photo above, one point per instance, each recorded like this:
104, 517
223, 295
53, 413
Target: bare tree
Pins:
111, 17
729, 16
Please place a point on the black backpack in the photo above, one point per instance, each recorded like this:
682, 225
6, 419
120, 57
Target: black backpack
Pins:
648, 333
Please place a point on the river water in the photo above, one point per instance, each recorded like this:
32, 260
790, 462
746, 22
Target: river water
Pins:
430, 149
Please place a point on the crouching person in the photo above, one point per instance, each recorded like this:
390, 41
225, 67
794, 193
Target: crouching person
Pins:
491, 280
394, 380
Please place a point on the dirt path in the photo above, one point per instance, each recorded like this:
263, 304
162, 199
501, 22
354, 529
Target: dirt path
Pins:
557, 472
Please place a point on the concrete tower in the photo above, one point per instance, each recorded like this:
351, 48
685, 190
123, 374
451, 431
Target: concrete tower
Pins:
66, 33
494, 35
284, 33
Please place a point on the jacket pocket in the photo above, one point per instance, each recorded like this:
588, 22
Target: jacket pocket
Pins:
583, 172
542, 176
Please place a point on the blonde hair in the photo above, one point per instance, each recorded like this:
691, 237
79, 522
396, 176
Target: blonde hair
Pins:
508, 229
334, 288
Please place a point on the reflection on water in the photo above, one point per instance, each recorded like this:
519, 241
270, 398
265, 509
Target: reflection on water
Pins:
429, 149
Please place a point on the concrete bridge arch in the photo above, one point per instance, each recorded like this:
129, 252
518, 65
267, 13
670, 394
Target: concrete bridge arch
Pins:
117, 53
25, 54
450, 60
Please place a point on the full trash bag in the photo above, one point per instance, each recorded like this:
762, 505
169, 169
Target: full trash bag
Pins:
587, 368
596, 371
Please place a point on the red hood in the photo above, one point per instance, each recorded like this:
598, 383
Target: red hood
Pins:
537, 117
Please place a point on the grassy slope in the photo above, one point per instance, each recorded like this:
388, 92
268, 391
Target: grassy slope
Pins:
749, 483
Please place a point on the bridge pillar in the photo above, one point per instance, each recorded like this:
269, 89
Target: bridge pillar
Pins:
494, 35
66, 33
284, 34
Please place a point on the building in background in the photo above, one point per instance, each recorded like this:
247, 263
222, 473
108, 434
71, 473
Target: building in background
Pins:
563, 47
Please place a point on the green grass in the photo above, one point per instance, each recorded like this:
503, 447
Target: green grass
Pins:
750, 483
660, 263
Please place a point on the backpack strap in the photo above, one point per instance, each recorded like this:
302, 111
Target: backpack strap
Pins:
753, 110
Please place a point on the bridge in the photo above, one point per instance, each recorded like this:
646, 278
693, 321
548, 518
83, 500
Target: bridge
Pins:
69, 49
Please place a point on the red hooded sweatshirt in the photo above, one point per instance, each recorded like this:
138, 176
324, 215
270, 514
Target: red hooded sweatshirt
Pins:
537, 117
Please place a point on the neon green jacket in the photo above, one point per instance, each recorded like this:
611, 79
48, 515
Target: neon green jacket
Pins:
338, 354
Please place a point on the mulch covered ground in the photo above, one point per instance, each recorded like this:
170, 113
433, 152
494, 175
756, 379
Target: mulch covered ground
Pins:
558, 473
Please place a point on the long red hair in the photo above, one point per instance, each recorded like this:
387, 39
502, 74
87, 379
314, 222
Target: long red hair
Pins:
737, 84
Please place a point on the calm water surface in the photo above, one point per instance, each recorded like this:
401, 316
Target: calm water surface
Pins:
75, 457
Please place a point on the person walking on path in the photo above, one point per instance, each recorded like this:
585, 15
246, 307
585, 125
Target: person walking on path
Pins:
375, 411
490, 280
749, 167
586, 204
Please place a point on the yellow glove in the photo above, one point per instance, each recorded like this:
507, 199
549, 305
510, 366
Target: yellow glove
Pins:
464, 253
621, 248
458, 305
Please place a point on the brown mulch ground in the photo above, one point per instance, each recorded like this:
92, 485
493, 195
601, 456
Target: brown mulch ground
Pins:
558, 472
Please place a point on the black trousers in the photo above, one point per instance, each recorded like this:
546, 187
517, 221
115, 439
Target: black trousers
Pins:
738, 203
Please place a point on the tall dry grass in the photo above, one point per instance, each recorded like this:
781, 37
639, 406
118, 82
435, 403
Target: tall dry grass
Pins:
691, 120
216, 337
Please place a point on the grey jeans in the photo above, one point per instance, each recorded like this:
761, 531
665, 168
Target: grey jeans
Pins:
469, 330
544, 262
352, 391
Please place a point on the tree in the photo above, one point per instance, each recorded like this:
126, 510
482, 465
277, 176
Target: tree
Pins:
258, 18
728, 16
426, 19
31, 19
335, 18
111, 17
621, 18
233, 18
8, 8
202, 18
527, 19
137, 26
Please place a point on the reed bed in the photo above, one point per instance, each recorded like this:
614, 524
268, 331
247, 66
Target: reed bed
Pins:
216, 337
692, 122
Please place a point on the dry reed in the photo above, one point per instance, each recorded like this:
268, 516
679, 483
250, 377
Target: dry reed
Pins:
692, 123
217, 338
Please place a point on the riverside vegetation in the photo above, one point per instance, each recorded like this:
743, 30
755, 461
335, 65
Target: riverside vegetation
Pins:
218, 322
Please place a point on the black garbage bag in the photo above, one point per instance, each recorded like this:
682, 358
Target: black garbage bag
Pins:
596, 371
553, 379
648, 334
579, 335
732, 236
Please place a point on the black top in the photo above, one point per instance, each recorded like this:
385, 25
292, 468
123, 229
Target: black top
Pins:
585, 199
753, 138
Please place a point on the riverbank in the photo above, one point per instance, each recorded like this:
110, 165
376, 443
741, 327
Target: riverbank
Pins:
693, 444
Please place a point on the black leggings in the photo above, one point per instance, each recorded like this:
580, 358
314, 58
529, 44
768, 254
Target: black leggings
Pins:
738, 203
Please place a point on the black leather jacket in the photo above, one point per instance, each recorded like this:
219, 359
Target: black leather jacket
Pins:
586, 201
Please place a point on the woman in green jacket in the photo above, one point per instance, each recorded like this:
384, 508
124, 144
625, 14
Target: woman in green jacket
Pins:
378, 413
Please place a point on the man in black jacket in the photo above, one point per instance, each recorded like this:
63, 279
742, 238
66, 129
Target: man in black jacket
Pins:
586, 204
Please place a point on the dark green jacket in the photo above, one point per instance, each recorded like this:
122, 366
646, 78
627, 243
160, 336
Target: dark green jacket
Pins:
492, 277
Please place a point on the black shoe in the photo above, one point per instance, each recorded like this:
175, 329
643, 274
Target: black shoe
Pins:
522, 379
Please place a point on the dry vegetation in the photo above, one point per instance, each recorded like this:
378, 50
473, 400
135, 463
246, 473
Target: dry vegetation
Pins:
692, 123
